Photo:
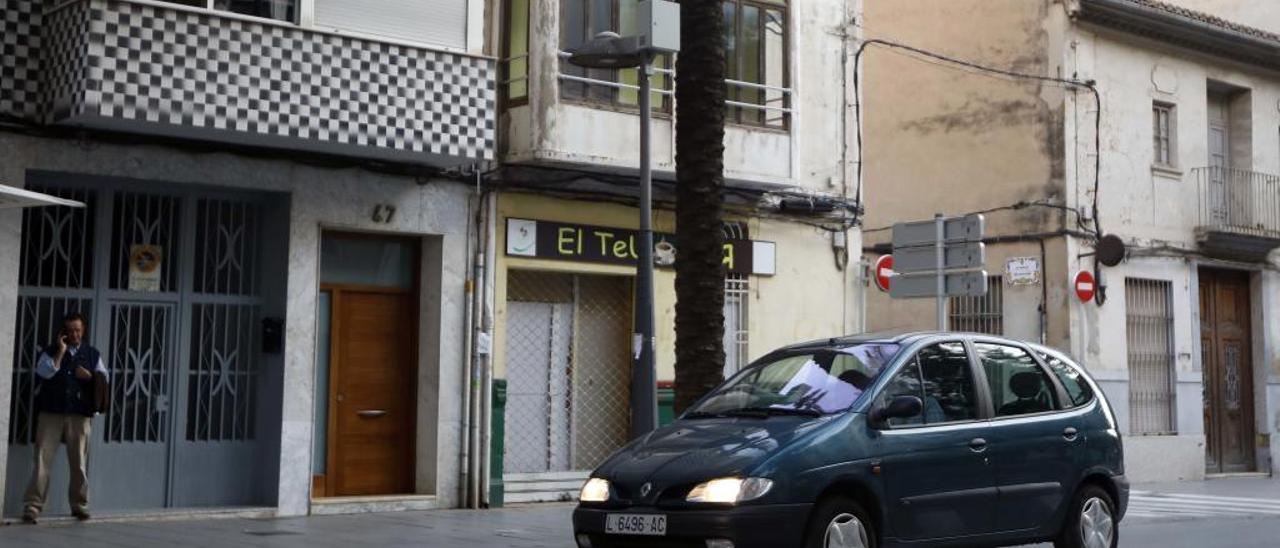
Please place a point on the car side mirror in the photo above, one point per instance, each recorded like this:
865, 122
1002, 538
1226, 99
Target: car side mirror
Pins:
900, 407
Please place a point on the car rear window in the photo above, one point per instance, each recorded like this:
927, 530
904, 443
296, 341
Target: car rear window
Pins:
1078, 391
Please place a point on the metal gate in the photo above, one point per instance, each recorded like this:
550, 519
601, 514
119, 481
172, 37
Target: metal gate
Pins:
170, 284
568, 370
1149, 337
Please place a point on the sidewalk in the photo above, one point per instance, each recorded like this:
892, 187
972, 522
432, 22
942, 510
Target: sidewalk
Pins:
532, 526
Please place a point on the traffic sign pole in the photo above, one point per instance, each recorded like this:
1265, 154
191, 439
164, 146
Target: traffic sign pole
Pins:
953, 268
940, 253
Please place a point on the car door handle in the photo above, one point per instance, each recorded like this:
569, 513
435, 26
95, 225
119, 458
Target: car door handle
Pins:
1070, 433
371, 413
978, 444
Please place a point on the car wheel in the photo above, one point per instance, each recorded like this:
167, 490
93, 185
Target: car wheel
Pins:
1092, 522
839, 522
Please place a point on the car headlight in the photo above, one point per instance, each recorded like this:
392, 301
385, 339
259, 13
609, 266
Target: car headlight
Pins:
595, 490
730, 490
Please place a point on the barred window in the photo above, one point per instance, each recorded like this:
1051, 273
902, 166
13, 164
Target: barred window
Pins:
735, 323
979, 314
1149, 336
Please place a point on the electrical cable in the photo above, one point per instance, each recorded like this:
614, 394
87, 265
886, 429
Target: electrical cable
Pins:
1011, 207
1100, 295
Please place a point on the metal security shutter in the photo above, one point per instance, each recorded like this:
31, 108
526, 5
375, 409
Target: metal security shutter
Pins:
1149, 335
440, 22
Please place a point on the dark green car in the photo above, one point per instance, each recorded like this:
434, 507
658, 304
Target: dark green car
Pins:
922, 439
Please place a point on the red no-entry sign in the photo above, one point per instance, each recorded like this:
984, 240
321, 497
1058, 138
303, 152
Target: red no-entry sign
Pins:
884, 271
1085, 286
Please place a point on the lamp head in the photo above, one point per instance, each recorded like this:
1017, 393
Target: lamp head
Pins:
608, 50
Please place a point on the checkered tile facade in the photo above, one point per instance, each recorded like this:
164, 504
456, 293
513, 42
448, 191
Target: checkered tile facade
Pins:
19, 57
122, 61
64, 59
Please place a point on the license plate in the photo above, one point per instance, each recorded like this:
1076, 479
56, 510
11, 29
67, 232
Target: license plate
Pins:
635, 524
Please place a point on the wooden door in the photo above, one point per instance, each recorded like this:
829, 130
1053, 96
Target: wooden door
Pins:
371, 408
1226, 351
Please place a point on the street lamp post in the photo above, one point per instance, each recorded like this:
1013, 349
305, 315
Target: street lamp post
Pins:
659, 19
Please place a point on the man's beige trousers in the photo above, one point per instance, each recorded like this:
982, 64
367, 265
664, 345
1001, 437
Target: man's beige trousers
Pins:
53, 430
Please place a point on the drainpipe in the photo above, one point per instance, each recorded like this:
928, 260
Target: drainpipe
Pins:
474, 284
487, 297
1044, 296
464, 456
478, 352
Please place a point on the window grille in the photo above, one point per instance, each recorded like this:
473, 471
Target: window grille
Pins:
140, 362
980, 314
141, 223
735, 323
1149, 336
57, 242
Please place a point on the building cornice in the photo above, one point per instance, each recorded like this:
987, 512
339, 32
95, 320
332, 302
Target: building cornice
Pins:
1184, 28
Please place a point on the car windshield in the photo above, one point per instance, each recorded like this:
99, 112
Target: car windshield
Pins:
802, 382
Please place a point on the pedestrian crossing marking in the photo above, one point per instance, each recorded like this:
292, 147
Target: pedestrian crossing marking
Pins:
1147, 504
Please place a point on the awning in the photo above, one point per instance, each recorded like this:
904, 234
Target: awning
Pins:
11, 197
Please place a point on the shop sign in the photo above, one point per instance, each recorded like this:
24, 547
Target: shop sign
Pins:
1022, 271
596, 244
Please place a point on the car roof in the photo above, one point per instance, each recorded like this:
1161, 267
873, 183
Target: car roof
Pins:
895, 337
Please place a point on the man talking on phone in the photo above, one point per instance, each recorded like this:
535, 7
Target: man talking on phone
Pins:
66, 405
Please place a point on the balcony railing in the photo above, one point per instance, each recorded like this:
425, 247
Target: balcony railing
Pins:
1239, 201
775, 105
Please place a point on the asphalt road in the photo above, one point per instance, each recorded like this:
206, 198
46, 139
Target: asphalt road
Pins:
1188, 515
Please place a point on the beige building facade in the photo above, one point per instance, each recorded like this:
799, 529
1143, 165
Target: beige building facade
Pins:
1184, 341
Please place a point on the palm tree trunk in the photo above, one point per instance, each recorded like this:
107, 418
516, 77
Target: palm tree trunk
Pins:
700, 111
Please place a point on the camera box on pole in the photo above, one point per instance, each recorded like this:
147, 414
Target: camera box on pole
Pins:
658, 26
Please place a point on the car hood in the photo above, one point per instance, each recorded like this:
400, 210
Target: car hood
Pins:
692, 451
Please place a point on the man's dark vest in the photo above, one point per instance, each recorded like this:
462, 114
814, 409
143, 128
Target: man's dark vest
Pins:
63, 392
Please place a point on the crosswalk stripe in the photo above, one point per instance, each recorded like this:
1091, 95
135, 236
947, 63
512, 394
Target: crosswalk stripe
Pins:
1216, 504
1147, 504
1218, 511
1214, 498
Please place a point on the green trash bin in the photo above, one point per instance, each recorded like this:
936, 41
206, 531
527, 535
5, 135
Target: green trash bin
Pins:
666, 403
496, 442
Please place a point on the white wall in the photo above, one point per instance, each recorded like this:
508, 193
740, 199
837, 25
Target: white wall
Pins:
1155, 206
1157, 211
